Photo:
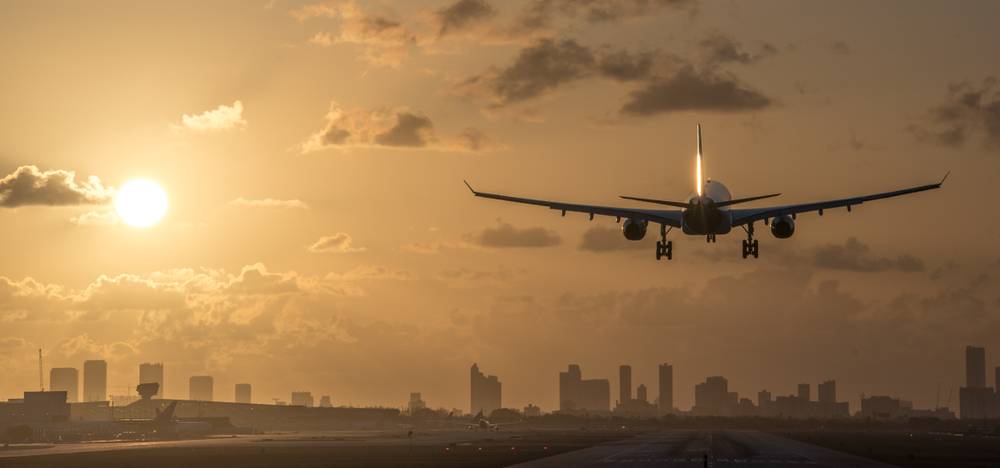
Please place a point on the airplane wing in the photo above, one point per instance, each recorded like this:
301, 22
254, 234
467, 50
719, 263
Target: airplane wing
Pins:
749, 215
665, 217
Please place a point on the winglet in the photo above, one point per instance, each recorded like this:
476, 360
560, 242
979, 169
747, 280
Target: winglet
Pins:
946, 174
470, 188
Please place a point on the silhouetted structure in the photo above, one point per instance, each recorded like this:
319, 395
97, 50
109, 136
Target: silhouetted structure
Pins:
828, 392
150, 372
640, 393
578, 396
713, 398
243, 393
147, 390
416, 403
485, 392
666, 399
324, 402
95, 380
201, 388
624, 384
303, 399
804, 393
975, 399
532, 411
881, 407
65, 379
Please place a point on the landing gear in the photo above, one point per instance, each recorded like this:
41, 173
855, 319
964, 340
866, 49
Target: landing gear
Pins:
710, 238
664, 248
750, 245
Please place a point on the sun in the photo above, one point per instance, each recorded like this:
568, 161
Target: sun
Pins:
141, 203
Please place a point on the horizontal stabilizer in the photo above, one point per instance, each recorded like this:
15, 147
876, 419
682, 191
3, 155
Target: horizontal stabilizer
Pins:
744, 200
659, 202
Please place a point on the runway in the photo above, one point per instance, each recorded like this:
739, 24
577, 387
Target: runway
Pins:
705, 448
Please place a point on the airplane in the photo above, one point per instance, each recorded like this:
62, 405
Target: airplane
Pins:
164, 424
707, 213
479, 422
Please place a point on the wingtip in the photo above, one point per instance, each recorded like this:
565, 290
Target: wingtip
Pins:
469, 186
946, 174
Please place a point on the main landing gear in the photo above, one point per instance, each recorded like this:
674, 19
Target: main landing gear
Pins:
664, 248
750, 245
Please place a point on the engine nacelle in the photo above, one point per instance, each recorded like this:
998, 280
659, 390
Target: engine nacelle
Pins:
634, 229
783, 227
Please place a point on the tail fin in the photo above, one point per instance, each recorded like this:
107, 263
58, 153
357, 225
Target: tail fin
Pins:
699, 177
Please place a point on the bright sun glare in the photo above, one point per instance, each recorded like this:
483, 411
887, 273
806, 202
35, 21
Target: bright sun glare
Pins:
141, 203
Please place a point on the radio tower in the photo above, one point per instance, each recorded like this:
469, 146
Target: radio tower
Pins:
41, 382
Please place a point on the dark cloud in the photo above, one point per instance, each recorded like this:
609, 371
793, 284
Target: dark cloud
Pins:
28, 185
541, 14
624, 66
840, 48
410, 130
854, 255
604, 239
721, 49
688, 89
463, 13
542, 67
968, 111
389, 128
505, 235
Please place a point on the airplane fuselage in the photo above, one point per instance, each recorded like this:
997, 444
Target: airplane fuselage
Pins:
704, 217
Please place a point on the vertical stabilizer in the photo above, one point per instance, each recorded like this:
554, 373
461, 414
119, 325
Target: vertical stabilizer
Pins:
699, 176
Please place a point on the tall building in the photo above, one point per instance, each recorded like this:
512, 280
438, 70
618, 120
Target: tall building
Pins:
485, 392
828, 391
640, 393
416, 403
713, 398
763, 399
303, 399
666, 399
624, 384
65, 379
201, 388
324, 402
242, 393
975, 367
95, 380
583, 396
804, 392
150, 372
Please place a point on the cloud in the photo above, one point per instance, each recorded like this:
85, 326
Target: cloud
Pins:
462, 14
96, 218
220, 119
968, 111
384, 40
321, 39
856, 256
505, 235
603, 239
269, 203
398, 128
722, 48
840, 48
28, 185
539, 15
337, 243
689, 90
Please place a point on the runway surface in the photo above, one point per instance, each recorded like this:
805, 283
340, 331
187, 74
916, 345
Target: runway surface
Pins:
705, 448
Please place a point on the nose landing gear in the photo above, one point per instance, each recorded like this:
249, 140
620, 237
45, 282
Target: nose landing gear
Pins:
750, 245
664, 248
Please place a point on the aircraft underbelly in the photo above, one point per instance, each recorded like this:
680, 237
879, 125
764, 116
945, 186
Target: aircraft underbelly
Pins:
721, 223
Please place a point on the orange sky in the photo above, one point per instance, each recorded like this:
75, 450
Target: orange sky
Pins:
320, 238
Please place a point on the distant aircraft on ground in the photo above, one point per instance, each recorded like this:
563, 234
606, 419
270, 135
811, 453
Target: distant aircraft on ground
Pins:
708, 212
480, 423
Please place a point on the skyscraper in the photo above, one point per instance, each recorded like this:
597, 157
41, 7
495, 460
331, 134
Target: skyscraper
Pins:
583, 396
804, 392
152, 373
713, 398
624, 384
95, 380
640, 393
65, 379
242, 393
201, 388
828, 392
485, 392
303, 399
975, 367
666, 400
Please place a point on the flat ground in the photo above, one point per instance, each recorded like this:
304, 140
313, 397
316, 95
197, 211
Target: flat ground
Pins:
911, 449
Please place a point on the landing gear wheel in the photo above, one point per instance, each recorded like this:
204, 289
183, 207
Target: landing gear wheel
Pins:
755, 248
665, 249
750, 245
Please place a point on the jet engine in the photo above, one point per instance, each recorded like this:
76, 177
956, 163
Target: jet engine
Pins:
783, 227
634, 229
